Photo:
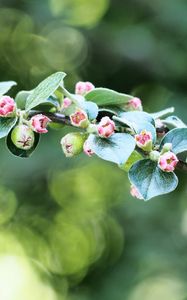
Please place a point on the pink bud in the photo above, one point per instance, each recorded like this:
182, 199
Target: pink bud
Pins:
87, 150
135, 193
39, 123
7, 106
79, 118
135, 104
66, 103
168, 161
82, 88
144, 140
106, 127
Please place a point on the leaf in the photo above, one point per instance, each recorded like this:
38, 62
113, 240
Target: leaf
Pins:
19, 152
44, 90
173, 122
117, 148
137, 121
150, 181
5, 86
178, 138
103, 97
21, 98
6, 124
91, 109
135, 156
163, 113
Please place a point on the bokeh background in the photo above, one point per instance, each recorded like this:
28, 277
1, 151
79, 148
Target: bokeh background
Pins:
69, 230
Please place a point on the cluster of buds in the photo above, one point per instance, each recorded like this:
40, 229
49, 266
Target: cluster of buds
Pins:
144, 140
82, 88
106, 127
7, 106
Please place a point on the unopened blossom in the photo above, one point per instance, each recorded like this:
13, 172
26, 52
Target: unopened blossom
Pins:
82, 88
168, 161
7, 106
79, 118
106, 127
66, 103
144, 140
134, 104
39, 123
135, 193
87, 150
72, 143
22, 137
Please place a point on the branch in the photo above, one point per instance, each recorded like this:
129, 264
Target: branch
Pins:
62, 119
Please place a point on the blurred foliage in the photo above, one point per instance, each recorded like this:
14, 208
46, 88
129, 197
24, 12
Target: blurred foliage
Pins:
69, 230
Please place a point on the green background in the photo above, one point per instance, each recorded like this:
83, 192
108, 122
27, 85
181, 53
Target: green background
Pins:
69, 229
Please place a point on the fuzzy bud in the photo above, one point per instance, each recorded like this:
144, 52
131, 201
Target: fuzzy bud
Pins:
134, 104
66, 103
135, 193
106, 127
22, 137
144, 140
79, 118
87, 150
7, 106
82, 88
39, 123
72, 143
167, 147
168, 161
154, 155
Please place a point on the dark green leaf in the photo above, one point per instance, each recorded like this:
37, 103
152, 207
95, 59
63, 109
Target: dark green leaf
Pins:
117, 148
103, 97
150, 181
5, 86
6, 125
44, 90
178, 138
19, 152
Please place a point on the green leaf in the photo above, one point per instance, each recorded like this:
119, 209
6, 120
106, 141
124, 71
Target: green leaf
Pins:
173, 122
6, 124
150, 181
163, 113
135, 156
5, 86
91, 109
117, 148
137, 121
178, 138
44, 90
19, 152
21, 98
103, 97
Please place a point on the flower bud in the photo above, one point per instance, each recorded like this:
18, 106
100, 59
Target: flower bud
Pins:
87, 150
79, 118
82, 88
154, 155
72, 143
22, 137
7, 106
135, 193
167, 147
106, 127
144, 140
66, 103
134, 104
168, 161
39, 123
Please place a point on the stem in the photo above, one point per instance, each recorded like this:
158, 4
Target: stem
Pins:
62, 119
